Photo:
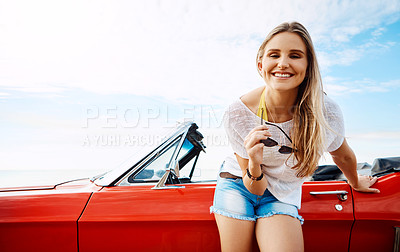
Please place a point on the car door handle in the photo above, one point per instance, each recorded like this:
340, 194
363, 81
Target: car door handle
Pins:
342, 195
168, 187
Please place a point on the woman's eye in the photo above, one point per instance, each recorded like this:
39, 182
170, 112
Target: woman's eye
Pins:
274, 55
295, 56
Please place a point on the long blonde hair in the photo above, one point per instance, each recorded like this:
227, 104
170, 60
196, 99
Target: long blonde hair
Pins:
308, 133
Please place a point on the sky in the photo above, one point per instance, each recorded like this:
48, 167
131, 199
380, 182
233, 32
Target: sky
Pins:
85, 84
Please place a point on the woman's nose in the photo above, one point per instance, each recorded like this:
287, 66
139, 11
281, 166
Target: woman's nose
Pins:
283, 63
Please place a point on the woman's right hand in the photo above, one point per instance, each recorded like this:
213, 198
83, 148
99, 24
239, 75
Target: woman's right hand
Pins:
253, 145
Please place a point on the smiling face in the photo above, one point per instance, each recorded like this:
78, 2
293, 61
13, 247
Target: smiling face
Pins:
284, 63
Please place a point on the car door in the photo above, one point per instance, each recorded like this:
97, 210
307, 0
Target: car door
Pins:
139, 218
327, 207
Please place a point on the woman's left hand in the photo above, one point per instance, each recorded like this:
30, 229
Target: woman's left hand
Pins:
365, 183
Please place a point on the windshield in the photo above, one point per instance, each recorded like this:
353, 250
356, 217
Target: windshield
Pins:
111, 176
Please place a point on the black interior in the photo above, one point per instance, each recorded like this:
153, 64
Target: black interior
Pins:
380, 167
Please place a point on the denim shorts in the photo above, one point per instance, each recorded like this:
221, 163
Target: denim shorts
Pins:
232, 199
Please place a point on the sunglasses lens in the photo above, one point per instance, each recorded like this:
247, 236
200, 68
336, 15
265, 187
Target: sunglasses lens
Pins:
285, 150
269, 142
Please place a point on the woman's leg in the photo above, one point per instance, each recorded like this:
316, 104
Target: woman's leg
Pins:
235, 235
279, 233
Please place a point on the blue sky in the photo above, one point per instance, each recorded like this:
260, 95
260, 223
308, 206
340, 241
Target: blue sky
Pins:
80, 79
371, 83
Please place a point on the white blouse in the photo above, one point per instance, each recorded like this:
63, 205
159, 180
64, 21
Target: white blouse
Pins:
239, 120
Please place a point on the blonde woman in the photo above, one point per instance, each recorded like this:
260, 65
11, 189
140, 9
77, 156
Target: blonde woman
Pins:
278, 133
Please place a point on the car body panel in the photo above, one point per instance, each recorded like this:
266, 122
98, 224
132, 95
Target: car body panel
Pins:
129, 217
376, 216
42, 220
322, 221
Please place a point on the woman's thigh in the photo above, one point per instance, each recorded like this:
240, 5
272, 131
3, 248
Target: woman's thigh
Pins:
235, 235
279, 233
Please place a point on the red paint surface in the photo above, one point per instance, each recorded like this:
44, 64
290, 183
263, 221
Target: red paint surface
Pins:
42, 220
137, 218
325, 228
376, 216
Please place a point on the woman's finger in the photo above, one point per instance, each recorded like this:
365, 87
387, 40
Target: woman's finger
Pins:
365, 184
370, 190
258, 128
255, 138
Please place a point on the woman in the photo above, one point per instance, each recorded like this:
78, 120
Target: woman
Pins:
278, 133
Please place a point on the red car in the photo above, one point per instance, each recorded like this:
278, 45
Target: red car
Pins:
152, 204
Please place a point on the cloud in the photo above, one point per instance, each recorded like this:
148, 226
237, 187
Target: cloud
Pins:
186, 51
346, 54
379, 135
337, 86
38, 88
375, 144
343, 57
378, 32
391, 84
4, 96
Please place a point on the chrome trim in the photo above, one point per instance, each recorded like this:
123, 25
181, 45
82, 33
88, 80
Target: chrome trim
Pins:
396, 244
342, 195
161, 183
32, 188
163, 179
328, 192
38, 188
168, 187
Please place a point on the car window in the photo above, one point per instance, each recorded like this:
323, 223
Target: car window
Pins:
156, 169
186, 148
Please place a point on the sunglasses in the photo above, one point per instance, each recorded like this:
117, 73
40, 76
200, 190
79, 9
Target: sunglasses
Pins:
269, 142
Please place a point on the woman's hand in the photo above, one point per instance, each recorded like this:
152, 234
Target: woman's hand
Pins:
253, 145
345, 159
254, 149
365, 183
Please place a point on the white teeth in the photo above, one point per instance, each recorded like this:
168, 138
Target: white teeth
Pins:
282, 75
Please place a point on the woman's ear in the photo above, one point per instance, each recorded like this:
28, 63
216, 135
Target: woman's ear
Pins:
259, 65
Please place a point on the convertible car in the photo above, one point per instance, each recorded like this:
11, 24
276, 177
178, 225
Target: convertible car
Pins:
152, 204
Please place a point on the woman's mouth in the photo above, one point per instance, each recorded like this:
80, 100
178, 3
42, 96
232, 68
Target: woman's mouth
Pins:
282, 75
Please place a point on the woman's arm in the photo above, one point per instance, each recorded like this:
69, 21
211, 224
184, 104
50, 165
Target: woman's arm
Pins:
345, 159
254, 149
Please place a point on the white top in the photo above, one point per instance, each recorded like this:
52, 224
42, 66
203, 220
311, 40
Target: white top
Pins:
239, 120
